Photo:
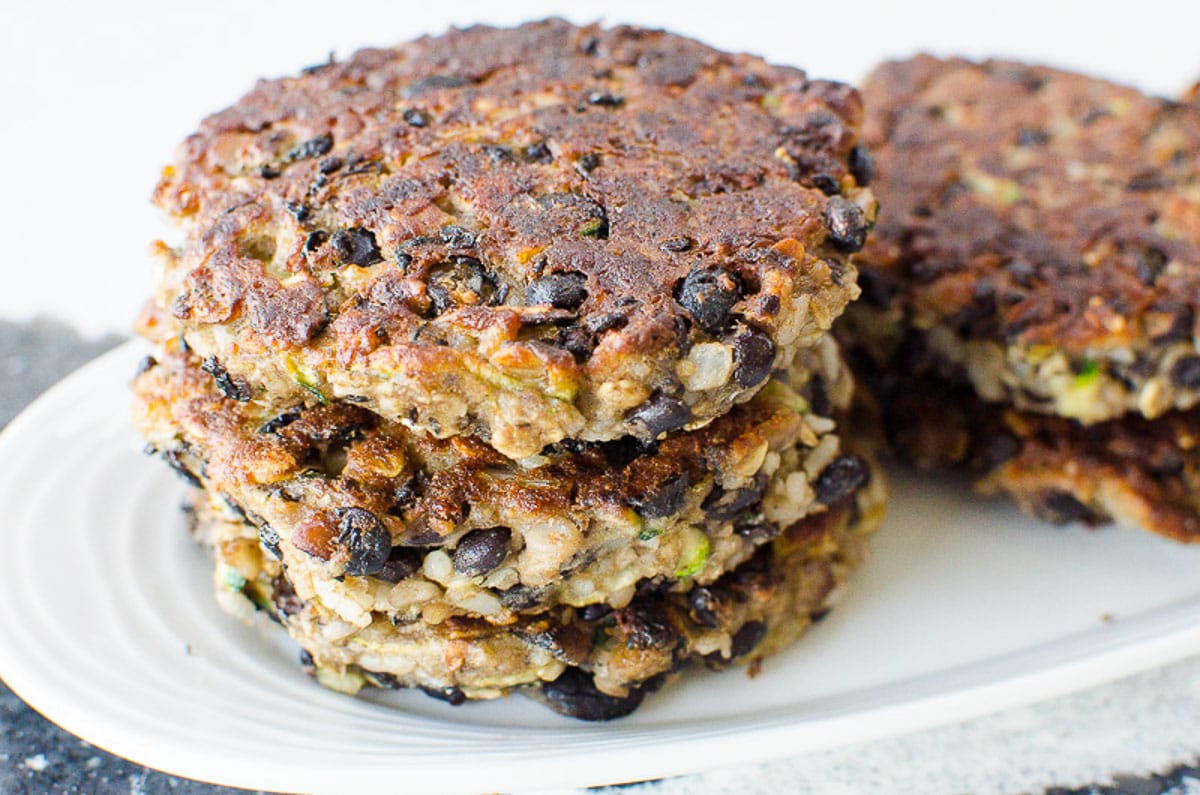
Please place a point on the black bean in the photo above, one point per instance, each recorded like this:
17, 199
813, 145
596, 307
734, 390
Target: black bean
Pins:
753, 357
1181, 321
498, 154
382, 680
432, 83
747, 638
175, 462
862, 165
589, 162
455, 237
313, 147
451, 695
847, 224
417, 117
997, 449
520, 597
284, 597
480, 551
757, 531
605, 100
594, 612
270, 540
145, 365
842, 477
598, 324
574, 694
298, 210
659, 414
329, 165
538, 152
1032, 136
405, 495
568, 643
709, 295
877, 289
1185, 373
827, 184
1151, 262
704, 606
578, 341
663, 499
1021, 271
447, 281
676, 245
647, 626
274, 424
559, 290
721, 504
268, 171
356, 246
366, 541
1148, 180
315, 239
307, 662
818, 396
401, 564
1059, 507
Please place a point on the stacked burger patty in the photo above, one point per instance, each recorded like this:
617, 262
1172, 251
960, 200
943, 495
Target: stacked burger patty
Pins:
502, 359
1032, 292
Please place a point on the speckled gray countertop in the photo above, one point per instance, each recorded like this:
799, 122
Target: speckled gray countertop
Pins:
1137, 736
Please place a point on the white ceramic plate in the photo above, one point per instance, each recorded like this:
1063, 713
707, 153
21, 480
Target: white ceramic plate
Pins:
108, 627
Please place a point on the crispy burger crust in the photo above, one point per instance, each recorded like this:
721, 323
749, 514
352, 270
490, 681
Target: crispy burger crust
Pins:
379, 227
1042, 211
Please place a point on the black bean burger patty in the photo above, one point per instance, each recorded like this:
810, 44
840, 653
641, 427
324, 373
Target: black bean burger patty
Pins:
523, 235
592, 663
1039, 236
375, 516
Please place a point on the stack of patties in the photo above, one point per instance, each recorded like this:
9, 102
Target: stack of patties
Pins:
502, 359
1031, 293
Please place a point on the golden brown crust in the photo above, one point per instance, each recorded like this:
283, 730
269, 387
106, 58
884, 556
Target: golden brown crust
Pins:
1034, 213
516, 210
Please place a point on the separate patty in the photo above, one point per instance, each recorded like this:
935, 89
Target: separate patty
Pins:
591, 663
1139, 472
1040, 230
368, 512
524, 235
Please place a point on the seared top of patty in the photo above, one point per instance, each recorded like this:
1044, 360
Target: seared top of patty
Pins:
1034, 206
637, 189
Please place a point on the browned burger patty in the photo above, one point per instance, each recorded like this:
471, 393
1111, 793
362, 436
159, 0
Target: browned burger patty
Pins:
1143, 473
1039, 233
593, 663
524, 235
370, 515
